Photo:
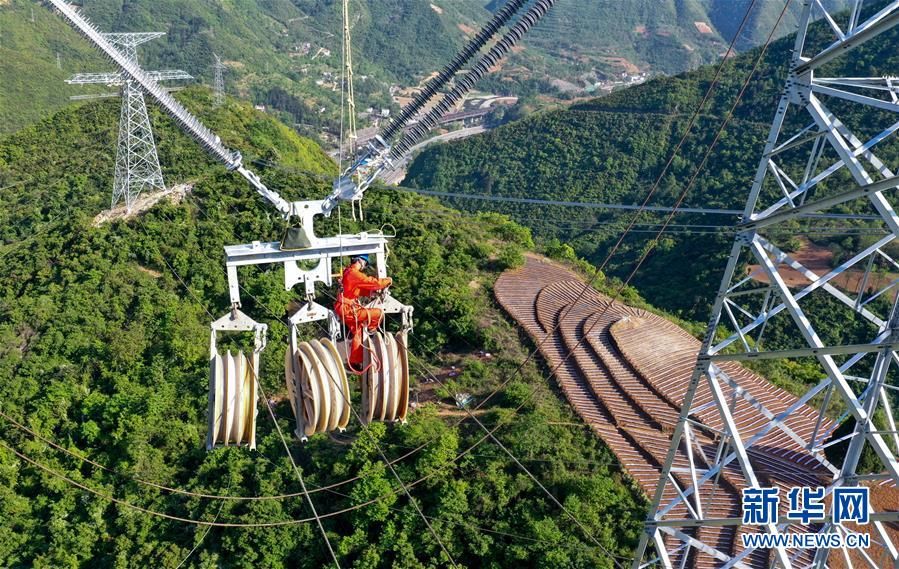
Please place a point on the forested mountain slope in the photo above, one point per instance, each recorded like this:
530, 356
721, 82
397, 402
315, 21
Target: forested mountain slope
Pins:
611, 150
103, 350
274, 49
581, 40
31, 84
268, 46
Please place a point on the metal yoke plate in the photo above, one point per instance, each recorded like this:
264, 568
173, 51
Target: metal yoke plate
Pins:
324, 251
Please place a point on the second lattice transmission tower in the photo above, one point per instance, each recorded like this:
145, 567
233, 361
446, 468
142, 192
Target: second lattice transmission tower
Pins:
219, 86
137, 162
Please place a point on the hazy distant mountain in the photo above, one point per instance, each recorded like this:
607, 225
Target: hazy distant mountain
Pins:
654, 36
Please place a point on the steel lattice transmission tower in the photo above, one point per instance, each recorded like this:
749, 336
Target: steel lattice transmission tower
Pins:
137, 163
826, 152
219, 85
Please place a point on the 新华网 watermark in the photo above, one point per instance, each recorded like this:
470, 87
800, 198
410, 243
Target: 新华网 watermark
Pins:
806, 505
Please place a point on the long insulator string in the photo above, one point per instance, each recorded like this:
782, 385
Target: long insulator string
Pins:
500, 18
481, 68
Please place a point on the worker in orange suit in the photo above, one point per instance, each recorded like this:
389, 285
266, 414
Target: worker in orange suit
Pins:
354, 284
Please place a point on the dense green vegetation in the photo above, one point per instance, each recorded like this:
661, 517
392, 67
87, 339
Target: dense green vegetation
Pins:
612, 149
104, 346
30, 83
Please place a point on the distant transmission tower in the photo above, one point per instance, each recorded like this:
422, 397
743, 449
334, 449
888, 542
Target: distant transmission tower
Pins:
826, 151
219, 86
137, 163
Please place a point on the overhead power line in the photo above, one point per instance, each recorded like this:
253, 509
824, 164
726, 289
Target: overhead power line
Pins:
598, 205
561, 203
298, 472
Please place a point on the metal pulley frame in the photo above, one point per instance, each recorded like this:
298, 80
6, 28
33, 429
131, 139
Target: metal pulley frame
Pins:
326, 251
233, 384
237, 321
316, 380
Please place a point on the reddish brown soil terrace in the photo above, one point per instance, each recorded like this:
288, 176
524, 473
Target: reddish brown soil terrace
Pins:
621, 62
819, 260
626, 377
467, 30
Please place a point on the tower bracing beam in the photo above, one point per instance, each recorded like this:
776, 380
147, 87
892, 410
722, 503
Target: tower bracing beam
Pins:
829, 150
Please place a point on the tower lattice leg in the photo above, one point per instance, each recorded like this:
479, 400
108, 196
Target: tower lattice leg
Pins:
826, 158
137, 163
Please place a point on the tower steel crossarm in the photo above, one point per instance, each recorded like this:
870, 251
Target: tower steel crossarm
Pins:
119, 78
812, 162
131, 38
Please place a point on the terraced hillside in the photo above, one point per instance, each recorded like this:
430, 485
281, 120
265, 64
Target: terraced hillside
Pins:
627, 375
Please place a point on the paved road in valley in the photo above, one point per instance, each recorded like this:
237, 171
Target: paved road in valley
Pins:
398, 173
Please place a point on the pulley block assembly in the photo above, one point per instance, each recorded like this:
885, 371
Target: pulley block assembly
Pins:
385, 378
233, 385
318, 387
